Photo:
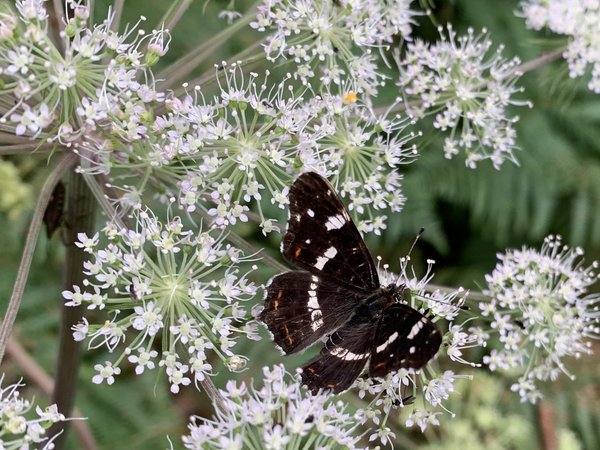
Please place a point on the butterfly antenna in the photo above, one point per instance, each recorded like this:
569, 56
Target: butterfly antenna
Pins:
419, 234
407, 257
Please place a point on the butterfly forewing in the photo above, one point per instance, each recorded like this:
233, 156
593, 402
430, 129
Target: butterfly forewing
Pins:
405, 339
343, 357
322, 239
301, 307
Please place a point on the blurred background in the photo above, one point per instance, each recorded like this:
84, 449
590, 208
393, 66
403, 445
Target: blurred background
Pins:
469, 216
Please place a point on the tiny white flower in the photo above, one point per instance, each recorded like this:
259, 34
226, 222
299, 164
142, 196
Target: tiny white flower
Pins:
85, 243
105, 373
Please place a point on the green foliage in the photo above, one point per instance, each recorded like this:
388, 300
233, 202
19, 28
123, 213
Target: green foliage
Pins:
15, 195
488, 417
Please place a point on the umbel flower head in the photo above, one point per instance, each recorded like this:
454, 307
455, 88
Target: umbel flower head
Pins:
468, 91
279, 415
18, 428
244, 147
49, 84
161, 282
332, 40
580, 21
541, 311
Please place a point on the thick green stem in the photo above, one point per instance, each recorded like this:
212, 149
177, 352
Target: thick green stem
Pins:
79, 218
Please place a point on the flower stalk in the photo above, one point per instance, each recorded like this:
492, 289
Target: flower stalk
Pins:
79, 218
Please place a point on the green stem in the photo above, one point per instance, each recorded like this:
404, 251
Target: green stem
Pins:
539, 61
209, 78
19, 149
187, 63
118, 12
173, 14
57, 23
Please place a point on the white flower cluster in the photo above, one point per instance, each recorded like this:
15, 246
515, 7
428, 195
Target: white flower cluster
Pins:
541, 312
18, 432
332, 40
580, 20
279, 415
160, 280
467, 89
49, 85
246, 146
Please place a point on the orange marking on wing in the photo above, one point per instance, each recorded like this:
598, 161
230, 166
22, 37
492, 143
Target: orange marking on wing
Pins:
379, 365
310, 369
297, 252
276, 301
330, 385
287, 334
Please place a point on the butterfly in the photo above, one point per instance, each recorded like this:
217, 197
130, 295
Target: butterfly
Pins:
336, 294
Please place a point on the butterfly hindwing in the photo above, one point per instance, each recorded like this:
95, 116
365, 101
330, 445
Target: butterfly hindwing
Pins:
301, 307
405, 339
343, 357
322, 239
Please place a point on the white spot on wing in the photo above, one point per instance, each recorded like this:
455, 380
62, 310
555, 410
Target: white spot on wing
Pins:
331, 252
310, 212
322, 260
389, 340
316, 320
416, 328
347, 355
316, 316
335, 222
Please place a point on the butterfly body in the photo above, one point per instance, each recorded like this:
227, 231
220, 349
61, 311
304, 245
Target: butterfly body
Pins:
336, 295
384, 297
